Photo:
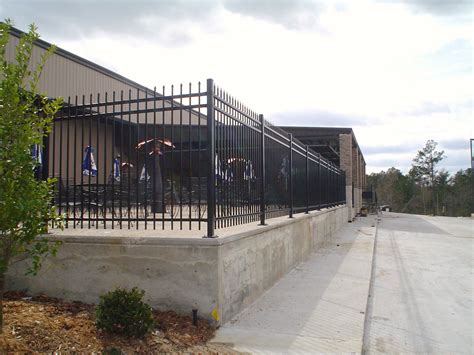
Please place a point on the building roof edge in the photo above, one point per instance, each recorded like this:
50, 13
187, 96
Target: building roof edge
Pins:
82, 61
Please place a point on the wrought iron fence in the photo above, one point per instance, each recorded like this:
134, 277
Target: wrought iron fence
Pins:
192, 157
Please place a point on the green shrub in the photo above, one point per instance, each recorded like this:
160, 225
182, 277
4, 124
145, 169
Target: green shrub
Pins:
123, 312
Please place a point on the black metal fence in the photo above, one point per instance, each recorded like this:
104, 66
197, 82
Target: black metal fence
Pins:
192, 157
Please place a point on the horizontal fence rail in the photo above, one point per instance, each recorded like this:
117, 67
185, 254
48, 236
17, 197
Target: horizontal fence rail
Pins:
131, 159
187, 157
262, 171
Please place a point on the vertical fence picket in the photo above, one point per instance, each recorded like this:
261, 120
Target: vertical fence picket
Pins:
262, 170
307, 179
291, 174
104, 164
232, 166
74, 168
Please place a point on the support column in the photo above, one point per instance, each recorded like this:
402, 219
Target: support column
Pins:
345, 152
356, 179
361, 178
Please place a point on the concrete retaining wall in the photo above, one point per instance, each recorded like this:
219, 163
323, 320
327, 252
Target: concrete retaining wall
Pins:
216, 276
177, 275
253, 263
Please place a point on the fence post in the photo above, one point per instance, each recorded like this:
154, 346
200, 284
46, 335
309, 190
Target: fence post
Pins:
291, 175
262, 173
45, 166
339, 188
320, 190
307, 181
211, 168
331, 192
44, 173
329, 184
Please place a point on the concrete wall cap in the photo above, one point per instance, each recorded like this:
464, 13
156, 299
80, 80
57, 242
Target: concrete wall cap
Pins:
185, 241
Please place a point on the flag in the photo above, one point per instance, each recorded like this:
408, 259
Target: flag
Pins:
116, 170
219, 172
37, 154
228, 174
142, 174
284, 168
249, 172
88, 163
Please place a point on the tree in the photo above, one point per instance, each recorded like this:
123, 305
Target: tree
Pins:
461, 198
25, 118
392, 188
424, 168
443, 189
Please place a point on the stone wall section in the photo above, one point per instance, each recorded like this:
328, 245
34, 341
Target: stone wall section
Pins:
345, 153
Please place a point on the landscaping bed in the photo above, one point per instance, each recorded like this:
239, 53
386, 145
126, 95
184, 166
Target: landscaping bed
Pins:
43, 324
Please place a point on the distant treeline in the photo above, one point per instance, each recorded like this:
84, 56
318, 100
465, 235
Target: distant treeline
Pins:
426, 190
453, 194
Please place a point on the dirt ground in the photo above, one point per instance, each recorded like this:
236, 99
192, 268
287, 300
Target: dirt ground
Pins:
46, 325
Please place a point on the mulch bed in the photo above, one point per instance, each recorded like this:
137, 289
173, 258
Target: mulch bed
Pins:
43, 324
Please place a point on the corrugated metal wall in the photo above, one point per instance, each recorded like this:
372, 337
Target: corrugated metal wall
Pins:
65, 153
64, 77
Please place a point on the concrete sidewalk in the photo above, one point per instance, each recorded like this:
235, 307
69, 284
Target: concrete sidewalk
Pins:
318, 307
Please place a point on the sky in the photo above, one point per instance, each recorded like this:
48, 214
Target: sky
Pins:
399, 72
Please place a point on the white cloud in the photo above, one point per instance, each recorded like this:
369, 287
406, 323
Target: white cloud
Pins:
404, 69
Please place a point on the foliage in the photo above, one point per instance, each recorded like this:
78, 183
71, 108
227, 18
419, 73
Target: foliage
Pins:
460, 196
424, 164
412, 193
25, 118
424, 170
392, 188
123, 312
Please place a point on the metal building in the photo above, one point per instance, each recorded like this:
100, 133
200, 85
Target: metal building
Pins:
122, 153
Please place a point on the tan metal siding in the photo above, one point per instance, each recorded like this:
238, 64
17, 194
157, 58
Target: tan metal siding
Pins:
62, 77
64, 148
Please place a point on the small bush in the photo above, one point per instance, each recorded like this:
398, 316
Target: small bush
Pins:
123, 312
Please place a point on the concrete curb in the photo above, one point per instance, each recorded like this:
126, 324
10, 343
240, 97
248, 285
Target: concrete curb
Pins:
369, 291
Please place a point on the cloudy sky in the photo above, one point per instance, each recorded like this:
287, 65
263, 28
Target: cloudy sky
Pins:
398, 71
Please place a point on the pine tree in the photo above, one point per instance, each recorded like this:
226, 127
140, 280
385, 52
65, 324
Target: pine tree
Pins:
424, 168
